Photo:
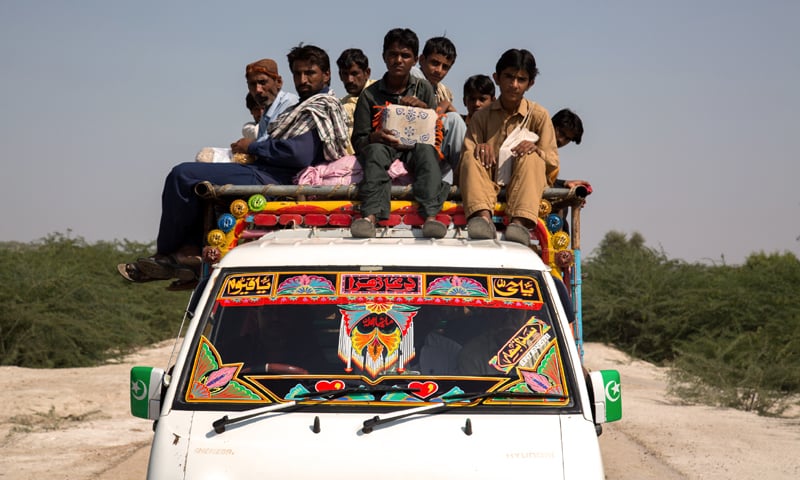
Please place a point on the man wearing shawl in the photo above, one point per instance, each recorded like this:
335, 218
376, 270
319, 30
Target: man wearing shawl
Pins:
292, 137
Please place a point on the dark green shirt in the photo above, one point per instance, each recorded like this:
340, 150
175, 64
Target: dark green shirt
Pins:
376, 94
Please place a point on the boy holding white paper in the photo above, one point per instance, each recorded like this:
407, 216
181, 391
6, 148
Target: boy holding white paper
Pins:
377, 147
523, 132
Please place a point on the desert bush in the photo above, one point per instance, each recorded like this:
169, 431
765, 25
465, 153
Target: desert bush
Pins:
62, 303
638, 299
731, 333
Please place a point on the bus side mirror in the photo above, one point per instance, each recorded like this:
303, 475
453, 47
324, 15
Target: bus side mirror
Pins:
145, 385
607, 396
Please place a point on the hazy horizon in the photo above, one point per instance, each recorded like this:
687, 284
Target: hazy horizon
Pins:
689, 108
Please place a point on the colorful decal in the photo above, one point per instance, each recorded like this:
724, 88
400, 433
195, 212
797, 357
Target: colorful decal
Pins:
247, 284
381, 284
321, 386
306, 285
377, 337
400, 397
263, 288
299, 391
457, 286
328, 385
451, 392
549, 366
423, 389
613, 393
521, 288
524, 347
213, 381
546, 377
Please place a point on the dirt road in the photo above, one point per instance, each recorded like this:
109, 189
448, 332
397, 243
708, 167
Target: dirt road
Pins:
80, 418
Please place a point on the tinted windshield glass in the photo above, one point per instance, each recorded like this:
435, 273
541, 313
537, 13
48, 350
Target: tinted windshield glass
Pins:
274, 335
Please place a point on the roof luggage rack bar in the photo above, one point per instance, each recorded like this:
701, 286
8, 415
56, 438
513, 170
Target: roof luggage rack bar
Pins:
207, 190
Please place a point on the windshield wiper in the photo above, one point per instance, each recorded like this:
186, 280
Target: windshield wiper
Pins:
220, 424
450, 401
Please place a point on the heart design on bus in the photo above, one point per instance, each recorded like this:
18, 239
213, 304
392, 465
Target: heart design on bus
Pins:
326, 385
424, 389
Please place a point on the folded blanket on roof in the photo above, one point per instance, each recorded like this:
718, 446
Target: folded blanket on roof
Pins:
347, 171
322, 111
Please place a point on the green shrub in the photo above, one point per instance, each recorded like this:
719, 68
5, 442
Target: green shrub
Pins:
63, 304
732, 333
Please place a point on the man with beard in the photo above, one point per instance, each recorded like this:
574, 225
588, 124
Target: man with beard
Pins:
354, 73
291, 137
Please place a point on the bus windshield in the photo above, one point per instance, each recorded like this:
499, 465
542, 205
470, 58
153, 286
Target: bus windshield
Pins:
293, 334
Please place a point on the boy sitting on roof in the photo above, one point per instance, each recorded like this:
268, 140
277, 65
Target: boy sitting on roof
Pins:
437, 58
534, 164
479, 91
377, 148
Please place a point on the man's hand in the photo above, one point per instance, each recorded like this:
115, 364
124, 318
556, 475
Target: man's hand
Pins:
525, 147
445, 107
385, 137
240, 146
412, 101
484, 154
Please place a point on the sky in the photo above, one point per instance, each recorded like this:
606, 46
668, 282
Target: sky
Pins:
689, 107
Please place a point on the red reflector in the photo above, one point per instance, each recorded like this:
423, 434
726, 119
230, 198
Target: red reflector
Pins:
413, 219
459, 220
315, 219
265, 219
393, 221
340, 219
287, 218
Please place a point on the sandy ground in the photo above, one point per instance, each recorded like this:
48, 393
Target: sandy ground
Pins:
80, 418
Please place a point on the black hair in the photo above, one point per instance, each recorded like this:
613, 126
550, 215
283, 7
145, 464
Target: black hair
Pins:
250, 102
352, 56
403, 37
482, 84
309, 53
519, 59
569, 124
441, 45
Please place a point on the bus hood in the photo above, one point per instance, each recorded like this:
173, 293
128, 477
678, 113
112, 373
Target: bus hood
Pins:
285, 445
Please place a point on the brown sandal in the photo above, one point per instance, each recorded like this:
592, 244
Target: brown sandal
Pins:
165, 267
132, 273
157, 266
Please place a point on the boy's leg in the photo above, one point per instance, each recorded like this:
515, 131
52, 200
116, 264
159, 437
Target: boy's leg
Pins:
429, 189
478, 190
454, 131
525, 189
375, 189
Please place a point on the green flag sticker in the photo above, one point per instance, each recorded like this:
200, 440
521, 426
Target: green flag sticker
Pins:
145, 391
613, 393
